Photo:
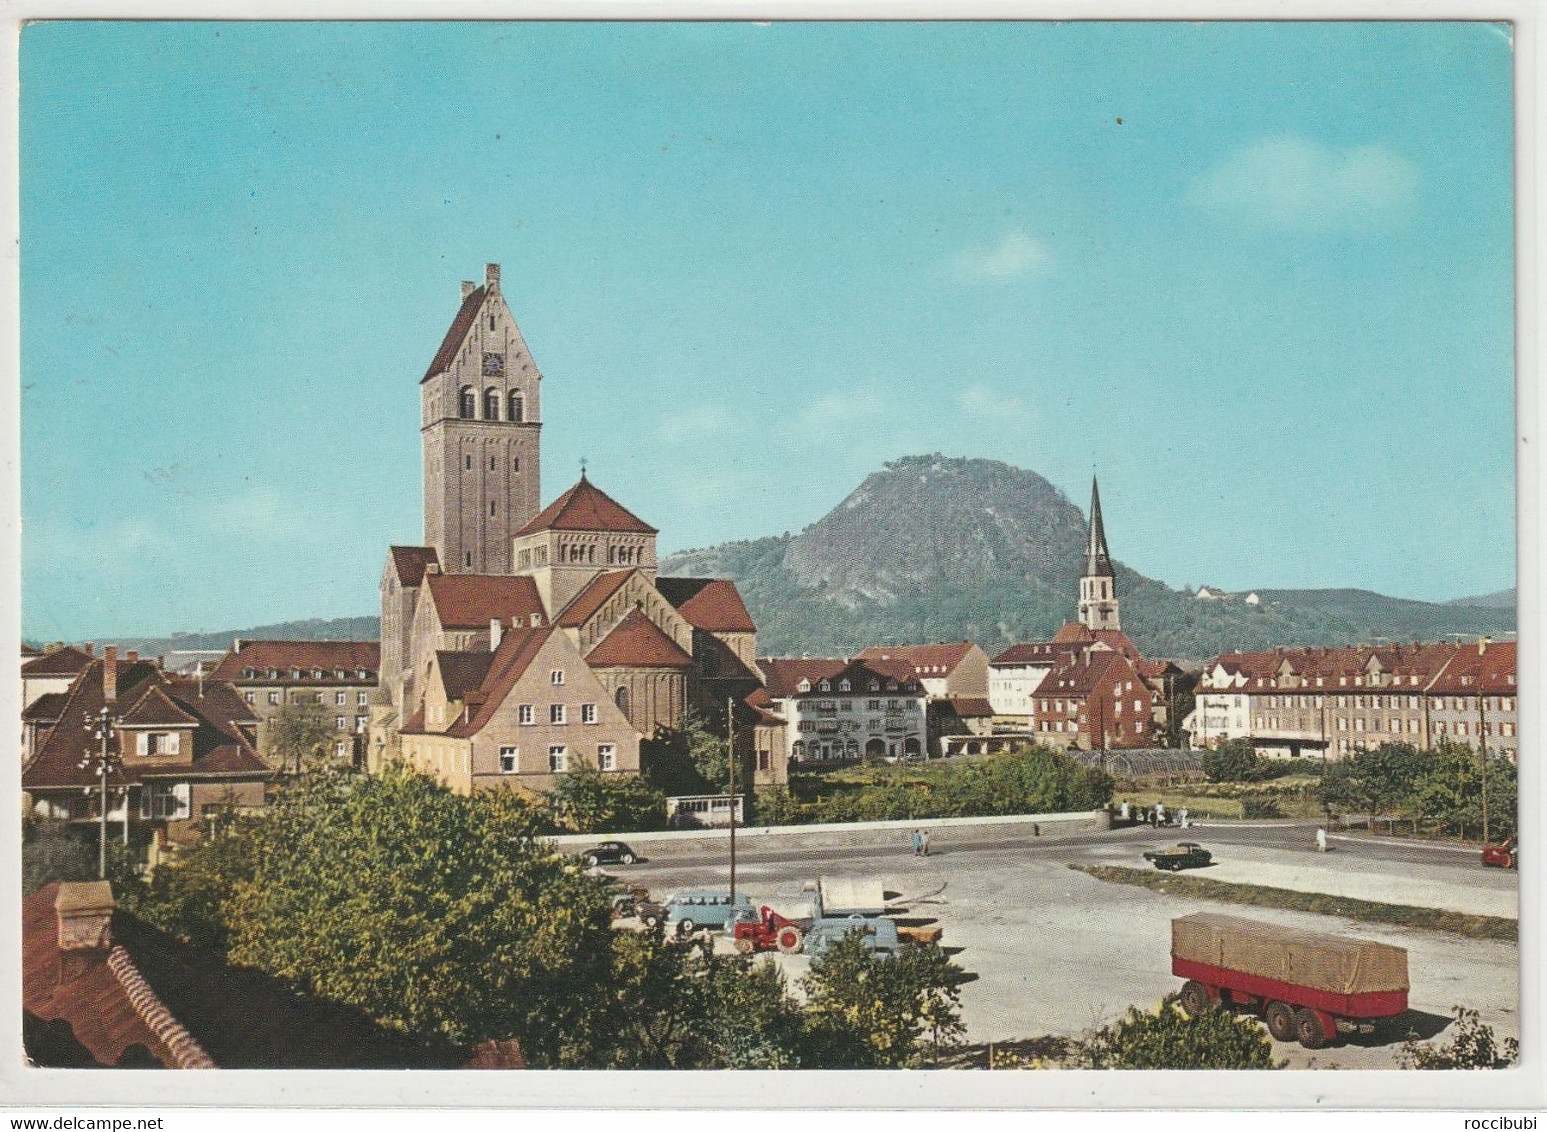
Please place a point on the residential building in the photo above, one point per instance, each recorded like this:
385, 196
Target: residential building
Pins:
337, 677
946, 671
840, 709
52, 671
182, 749
1095, 701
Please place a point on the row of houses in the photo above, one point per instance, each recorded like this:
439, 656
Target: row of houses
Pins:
1330, 702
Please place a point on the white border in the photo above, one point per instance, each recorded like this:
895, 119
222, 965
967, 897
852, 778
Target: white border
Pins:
1520, 1088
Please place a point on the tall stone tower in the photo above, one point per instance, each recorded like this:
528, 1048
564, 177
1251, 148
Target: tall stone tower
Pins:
481, 424
1098, 586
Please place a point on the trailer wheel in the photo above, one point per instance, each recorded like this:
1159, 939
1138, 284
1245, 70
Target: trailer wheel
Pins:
1308, 1029
745, 946
1194, 997
790, 940
1281, 1021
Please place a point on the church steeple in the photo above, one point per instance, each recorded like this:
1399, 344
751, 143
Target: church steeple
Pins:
1098, 585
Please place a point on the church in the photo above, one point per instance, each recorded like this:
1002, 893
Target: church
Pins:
518, 643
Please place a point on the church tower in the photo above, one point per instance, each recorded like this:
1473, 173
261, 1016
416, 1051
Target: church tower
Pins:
481, 424
1098, 586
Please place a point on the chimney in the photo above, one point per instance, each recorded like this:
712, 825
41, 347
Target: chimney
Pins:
468, 287
491, 277
84, 910
110, 673
236, 645
1482, 645
495, 634
133, 657
432, 567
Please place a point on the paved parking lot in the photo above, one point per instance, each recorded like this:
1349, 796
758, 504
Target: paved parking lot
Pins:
1053, 951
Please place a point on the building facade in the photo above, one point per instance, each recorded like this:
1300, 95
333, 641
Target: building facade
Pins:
836, 710
339, 678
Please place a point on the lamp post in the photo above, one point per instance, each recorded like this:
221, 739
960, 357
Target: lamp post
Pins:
103, 762
730, 739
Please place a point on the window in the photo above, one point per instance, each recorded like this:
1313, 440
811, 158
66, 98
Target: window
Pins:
526, 715
467, 403
153, 743
873, 705
249, 697
556, 713
622, 699
558, 760
491, 508
340, 749
556, 677
493, 364
587, 713
491, 463
517, 409
467, 462
606, 757
273, 697
491, 405
338, 698
510, 760
360, 723
338, 723
515, 464
164, 802
491, 322
363, 698
467, 559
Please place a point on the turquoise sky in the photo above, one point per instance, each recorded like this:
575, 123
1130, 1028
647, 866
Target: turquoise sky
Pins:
1259, 275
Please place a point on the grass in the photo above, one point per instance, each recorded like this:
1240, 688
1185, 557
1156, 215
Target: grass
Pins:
1293, 795
1261, 896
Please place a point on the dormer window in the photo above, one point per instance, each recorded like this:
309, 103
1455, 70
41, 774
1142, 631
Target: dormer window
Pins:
804, 685
341, 674
295, 674
825, 686
316, 674
843, 685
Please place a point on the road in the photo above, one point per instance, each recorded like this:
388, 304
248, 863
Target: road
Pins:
1052, 950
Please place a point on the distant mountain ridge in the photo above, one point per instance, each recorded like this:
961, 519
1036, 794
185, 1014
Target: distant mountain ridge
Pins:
311, 629
1504, 599
933, 549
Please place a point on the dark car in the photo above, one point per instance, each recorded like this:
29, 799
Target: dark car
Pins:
1183, 855
1504, 855
609, 853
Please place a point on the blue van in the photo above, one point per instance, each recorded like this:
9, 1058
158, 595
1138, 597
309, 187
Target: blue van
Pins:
880, 935
695, 908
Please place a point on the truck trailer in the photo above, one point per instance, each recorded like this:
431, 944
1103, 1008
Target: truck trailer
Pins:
1308, 985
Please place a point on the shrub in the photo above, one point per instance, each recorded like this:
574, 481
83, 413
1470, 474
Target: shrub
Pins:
54, 850
1472, 1045
1167, 1038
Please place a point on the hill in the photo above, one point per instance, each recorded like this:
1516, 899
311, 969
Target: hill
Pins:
1504, 599
312, 629
935, 549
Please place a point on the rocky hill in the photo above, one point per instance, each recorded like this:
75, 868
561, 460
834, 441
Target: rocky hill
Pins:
934, 549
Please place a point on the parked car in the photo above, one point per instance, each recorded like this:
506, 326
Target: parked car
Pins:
687, 911
880, 935
1504, 855
609, 853
1182, 855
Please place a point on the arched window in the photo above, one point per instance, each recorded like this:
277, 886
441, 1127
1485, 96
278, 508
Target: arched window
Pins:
517, 409
467, 407
622, 698
491, 405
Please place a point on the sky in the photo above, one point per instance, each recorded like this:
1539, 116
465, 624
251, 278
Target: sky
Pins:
1258, 276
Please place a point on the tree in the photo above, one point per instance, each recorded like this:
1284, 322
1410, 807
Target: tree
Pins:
430, 911
1451, 791
1376, 780
1472, 1045
867, 1011
1234, 760
300, 738
54, 850
587, 801
1167, 1038
189, 895
691, 758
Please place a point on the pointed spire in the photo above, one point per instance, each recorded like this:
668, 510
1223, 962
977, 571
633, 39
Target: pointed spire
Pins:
1098, 563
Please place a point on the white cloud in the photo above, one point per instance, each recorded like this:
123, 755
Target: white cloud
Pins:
1017, 253
1294, 182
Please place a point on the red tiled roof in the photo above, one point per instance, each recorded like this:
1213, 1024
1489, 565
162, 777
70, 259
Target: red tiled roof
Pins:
518, 648
462, 671
1475, 670
410, 562
64, 661
1036, 652
591, 598
926, 660
153, 709
711, 604
460, 325
226, 759
46, 708
782, 676
1081, 676
93, 1003
638, 642
471, 601
586, 507
308, 656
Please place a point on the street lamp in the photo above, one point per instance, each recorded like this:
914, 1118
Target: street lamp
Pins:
101, 763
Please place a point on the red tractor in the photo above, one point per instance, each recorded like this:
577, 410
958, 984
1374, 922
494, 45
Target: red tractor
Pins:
770, 931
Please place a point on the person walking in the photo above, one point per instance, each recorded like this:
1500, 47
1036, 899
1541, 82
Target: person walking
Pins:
1321, 839
924, 843
1182, 817
918, 843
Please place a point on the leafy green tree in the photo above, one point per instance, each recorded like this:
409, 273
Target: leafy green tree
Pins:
300, 738
587, 801
1451, 791
189, 895
1234, 760
1472, 1045
1167, 1038
1375, 781
868, 1012
431, 912
55, 850
691, 758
